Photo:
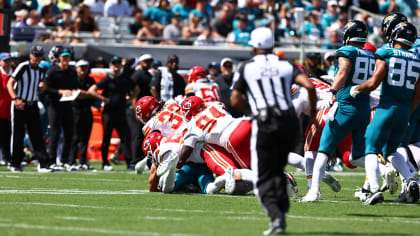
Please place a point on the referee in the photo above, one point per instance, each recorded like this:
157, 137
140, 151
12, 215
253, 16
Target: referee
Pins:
264, 83
23, 89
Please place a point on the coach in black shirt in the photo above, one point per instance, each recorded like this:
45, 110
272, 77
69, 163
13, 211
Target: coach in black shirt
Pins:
23, 89
115, 88
61, 81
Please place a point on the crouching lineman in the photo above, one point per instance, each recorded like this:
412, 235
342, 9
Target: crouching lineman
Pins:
398, 70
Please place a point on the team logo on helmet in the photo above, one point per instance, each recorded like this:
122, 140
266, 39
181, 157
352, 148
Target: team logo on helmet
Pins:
138, 109
350, 24
187, 105
147, 145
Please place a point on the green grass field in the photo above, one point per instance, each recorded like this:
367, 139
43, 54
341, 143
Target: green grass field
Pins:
118, 203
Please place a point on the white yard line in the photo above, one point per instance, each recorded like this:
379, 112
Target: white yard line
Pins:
89, 230
71, 192
162, 218
75, 218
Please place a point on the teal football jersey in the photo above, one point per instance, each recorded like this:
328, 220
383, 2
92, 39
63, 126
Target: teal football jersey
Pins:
416, 46
403, 70
363, 66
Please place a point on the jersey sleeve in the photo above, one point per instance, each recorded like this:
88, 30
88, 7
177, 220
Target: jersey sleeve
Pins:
189, 90
382, 53
347, 52
191, 136
17, 74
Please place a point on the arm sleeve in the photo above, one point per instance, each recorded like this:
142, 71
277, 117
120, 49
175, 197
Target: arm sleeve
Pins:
17, 74
381, 54
239, 82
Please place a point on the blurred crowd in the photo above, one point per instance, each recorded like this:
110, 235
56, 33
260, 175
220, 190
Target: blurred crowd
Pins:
191, 22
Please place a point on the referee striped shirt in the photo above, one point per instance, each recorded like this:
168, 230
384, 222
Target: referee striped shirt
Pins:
27, 81
267, 82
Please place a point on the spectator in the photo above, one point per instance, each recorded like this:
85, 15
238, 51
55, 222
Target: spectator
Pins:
240, 36
5, 105
194, 28
141, 79
17, 5
330, 16
47, 18
339, 25
134, 28
67, 34
55, 10
117, 8
206, 38
155, 65
99, 62
313, 61
203, 10
148, 32
22, 32
224, 81
67, 17
250, 25
312, 30
15, 59
330, 64
315, 6
85, 21
183, 9
160, 15
83, 119
24, 94
289, 8
333, 42
167, 83
387, 6
214, 70
61, 4
377, 38
365, 19
96, 6
288, 29
222, 25
115, 88
370, 5
172, 32
251, 10
61, 81
34, 21
408, 7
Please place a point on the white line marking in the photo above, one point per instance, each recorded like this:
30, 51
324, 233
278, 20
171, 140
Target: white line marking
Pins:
72, 192
75, 218
334, 173
90, 230
162, 218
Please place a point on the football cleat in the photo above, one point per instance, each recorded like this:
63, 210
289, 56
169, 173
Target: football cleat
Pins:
311, 197
413, 189
107, 168
85, 167
15, 169
140, 166
230, 180
361, 194
277, 226
57, 167
374, 198
168, 164
115, 159
43, 170
332, 182
390, 179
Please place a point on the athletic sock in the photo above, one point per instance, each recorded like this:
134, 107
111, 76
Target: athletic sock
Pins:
318, 171
247, 175
366, 184
309, 166
358, 162
372, 171
296, 160
399, 164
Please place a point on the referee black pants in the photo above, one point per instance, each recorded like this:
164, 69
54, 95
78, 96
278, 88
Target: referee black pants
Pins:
271, 142
83, 121
30, 117
6, 129
136, 136
119, 122
60, 117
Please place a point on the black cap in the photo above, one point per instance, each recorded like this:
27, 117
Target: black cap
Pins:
313, 55
146, 17
214, 64
36, 49
116, 59
173, 58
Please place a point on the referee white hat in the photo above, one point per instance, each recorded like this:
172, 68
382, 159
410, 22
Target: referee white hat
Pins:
262, 38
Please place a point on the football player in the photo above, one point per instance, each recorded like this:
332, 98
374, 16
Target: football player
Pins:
398, 70
199, 85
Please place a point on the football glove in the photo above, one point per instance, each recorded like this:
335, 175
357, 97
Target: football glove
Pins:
326, 100
353, 91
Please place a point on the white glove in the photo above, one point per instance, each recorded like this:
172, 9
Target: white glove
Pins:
327, 101
331, 113
353, 91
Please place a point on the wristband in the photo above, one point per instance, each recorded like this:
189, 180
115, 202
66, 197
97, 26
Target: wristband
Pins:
333, 91
13, 99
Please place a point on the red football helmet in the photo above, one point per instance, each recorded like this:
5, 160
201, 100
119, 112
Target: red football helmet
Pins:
370, 47
145, 108
151, 142
197, 73
191, 106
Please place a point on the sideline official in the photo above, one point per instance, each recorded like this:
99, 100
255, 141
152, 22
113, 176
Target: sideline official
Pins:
23, 89
264, 83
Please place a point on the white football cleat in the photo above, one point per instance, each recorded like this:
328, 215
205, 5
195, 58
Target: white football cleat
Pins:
374, 198
311, 197
107, 168
140, 166
167, 164
43, 170
230, 180
413, 189
390, 179
332, 182
361, 194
